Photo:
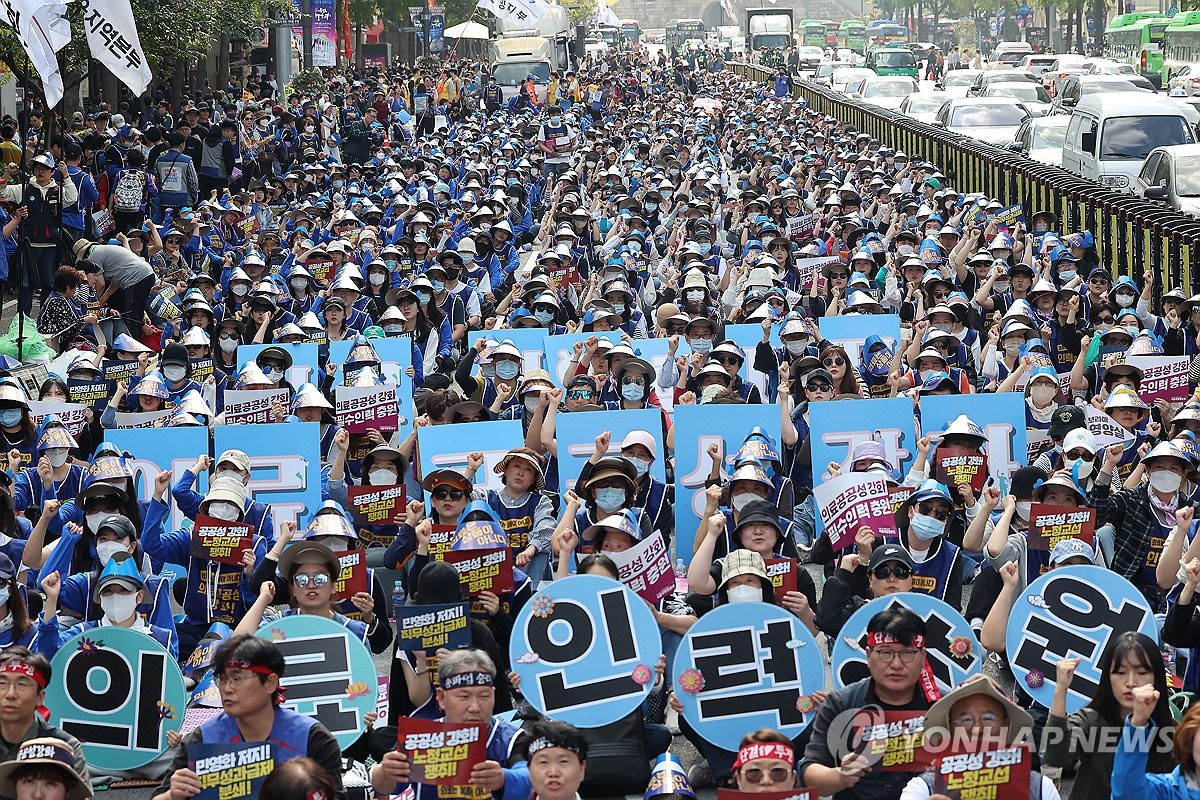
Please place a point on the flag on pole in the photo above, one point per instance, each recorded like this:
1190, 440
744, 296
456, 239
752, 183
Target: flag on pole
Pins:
113, 39
43, 29
605, 15
347, 50
524, 13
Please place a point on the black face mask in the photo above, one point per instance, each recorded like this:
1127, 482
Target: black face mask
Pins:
452, 274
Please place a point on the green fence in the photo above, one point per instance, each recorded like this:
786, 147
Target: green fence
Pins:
1131, 233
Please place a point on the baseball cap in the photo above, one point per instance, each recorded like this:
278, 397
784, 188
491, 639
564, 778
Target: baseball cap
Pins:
1071, 548
886, 553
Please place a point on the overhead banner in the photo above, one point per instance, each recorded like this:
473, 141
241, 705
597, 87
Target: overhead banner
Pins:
748, 666
585, 648
521, 13
43, 29
113, 39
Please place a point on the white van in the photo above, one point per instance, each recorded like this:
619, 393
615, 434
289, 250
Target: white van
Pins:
1110, 135
1009, 54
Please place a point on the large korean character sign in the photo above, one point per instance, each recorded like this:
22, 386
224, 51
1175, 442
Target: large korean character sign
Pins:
835, 432
748, 666
1001, 416
585, 648
1071, 612
447, 447
576, 434
285, 465
157, 450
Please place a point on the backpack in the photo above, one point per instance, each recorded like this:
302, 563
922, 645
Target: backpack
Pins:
130, 191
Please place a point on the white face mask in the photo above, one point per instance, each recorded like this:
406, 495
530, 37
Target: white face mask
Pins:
382, 477
228, 345
298, 283
1085, 466
1042, 394
1165, 481
740, 501
119, 607
226, 512
744, 594
796, 347
1024, 508
94, 520
376, 279
239, 289
175, 374
57, 456
531, 404
106, 550
1125, 300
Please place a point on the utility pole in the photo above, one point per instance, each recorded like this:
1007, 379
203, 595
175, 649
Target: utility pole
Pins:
307, 26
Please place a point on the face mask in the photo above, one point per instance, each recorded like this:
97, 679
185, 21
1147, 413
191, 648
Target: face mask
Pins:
1042, 394
609, 500
1067, 275
796, 347
744, 594
1040, 228
507, 370
632, 392
298, 283
618, 308
651, 206
338, 184
1024, 508
175, 374
94, 520
944, 327
452, 274
1165, 481
925, 373
10, 417
119, 607
422, 297
1012, 348
382, 477
1124, 300
704, 247
58, 456
531, 404
640, 466
226, 512
239, 290
694, 296
1085, 466
438, 287
700, 345
376, 279
543, 316
556, 121
106, 550
741, 500
273, 375
228, 345
926, 527
667, 193
1001, 288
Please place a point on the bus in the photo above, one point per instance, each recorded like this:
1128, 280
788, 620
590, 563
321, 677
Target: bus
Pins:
1138, 39
1183, 40
892, 59
852, 34
680, 30
883, 31
631, 29
812, 33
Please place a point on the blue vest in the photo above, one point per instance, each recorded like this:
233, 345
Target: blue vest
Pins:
517, 522
932, 576
290, 732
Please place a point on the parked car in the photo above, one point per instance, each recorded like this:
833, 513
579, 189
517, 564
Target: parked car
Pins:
810, 57
994, 120
957, 82
923, 106
1042, 138
1103, 66
1063, 66
1186, 77
1075, 88
1031, 95
845, 75
1036, 64
1172, 175
886, 91
1110, 135
986, 79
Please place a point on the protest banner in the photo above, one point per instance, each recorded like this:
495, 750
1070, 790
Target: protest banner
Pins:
646, 568
1035, 442
142, 419
801, 227
697, 427
201, 657
439, 541
480, 571
117, 371
851, 501
782, 572
93, 394
220, 541
447, 447
119, 692
430, 627
253, 406
73, 416
1163, 378
809, 269
560, 350
285, 465
34, 374
377, 505
1048, 525
748, 666
774, 794
352, 577
229, 771
330, 674
530, 341
1105, 428
305, 366
851, 333
162, 449
1071, 612
360, 408
566, 275
1000, 416
441, 753
835, 433
202, 368
585, 648
1009, 216
953, 652
576, 436
892, 741
993, 774
956, 465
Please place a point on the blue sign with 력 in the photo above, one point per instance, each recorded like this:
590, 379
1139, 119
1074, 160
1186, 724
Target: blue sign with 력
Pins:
447, 447
576, 436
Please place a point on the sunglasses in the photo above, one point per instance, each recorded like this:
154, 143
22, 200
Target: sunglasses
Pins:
1104, 320
837, 361
726, 361
629, 379
302, 581
755, 775
839, 275
935, 511
885, 571
1098, 280
580, 394
449, 494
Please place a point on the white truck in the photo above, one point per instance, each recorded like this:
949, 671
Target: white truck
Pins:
768, 29
517, 53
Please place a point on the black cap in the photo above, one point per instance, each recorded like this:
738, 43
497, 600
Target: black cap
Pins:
120, 524
175, 353
889, 552
1021, 484
759, 511
1066, 419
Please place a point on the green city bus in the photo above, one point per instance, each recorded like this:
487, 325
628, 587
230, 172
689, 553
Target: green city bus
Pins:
853, 34
1137, 39
892, 59
680, 30
812, 32
1183, 40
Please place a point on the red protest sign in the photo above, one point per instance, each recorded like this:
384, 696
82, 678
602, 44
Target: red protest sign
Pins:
439, 541
220, 541
483, 570
353, 576
1049, 525
895, 740
441, 753
782, 572
320, 269
377, 505
1163, 378
849, 501
956, 466
360, 408
995, 774
646, 568
566, 275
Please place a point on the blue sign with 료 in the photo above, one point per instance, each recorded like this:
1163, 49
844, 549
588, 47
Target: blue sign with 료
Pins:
330, 673
697, 427
447, 447
585, 648
156, 450
305, 357
560, 350
530, 341
285, 465
395, 359
837, 428
953, 652
1000, 415
576, 435
1072, 612
851, 332
119, 692
748, 666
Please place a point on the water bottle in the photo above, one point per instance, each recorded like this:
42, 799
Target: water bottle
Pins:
681, 583
397, 599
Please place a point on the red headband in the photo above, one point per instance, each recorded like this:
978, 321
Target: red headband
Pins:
260, 669
26, 669
929, 685
878, 637
776, 750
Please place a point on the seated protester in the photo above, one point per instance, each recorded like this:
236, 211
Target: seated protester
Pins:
44, 769
248, 673
766, 762
748, 483
758, 530
16, 628
522, 508
1006, 544
899, 680
75, 552
1130, 660
176, 368
1084, 377
306, 574
383, 465
758, 446
888, 568
730, 358
234, 463
961, 437
1182, 626
867, 456
52, 477
215, 592
16, 425
1130, 412
149, 393
24, 676
467, 694
1131, 780
1069, 424
298, 777
557, 756
978, 717
119, 591
449, 493
1042, 396
611, 488
655, 498
923, 520
309, 405
507, 363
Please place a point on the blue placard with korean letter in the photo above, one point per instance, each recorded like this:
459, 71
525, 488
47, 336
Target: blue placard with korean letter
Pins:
585, 648
447, 447
530, 341
305, 361
285, 465
330, 673
395, 358
1071, 612
696, 427
851, 332
1001, 416
748, 666
836, 428
576, 435
953, 652
561, 349
158, 449
118, 691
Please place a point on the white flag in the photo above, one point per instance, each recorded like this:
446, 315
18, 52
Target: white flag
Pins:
606, 16
113, 39
43, 29
523, 13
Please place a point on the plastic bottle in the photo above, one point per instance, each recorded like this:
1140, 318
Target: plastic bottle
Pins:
398, 596
681, 582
